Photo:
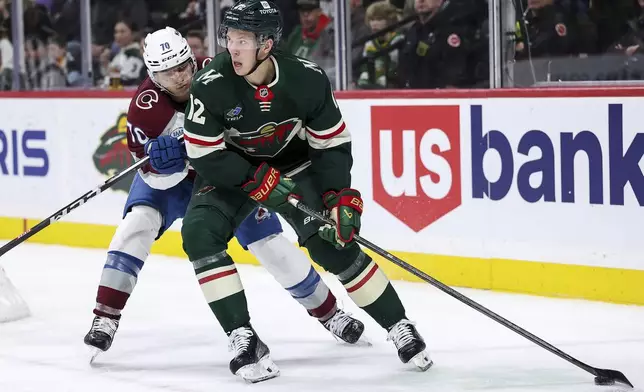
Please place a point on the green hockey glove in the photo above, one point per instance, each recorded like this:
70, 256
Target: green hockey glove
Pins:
346, 209
270, 188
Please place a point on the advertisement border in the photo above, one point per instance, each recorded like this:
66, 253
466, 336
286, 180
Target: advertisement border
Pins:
546, 92
550, 278
614, 285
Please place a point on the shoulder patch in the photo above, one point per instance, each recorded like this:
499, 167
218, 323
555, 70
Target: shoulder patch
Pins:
151, 110
146, 99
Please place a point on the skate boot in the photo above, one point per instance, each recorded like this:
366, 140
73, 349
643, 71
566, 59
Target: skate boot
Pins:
344, 327
100, 336
252, 360
410, 345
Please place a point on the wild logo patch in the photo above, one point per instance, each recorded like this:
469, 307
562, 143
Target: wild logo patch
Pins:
113, 156
268, 140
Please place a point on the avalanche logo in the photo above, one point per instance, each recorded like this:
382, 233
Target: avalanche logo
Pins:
112, 155
416, 162
262, 214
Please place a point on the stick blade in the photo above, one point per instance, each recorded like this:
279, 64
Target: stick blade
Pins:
609, 377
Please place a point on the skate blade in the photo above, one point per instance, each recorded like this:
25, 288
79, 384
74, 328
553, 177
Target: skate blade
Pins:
422, 361
363, 342
263, 370
94, 353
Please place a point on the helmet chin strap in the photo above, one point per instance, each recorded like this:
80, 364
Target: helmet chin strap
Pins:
258, 62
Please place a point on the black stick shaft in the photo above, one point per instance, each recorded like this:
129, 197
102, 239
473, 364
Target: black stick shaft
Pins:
464, 299
58, 215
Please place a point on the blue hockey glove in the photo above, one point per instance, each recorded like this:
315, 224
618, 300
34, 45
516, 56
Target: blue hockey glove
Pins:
167, 154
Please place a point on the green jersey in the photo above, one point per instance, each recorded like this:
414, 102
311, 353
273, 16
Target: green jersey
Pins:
232, 126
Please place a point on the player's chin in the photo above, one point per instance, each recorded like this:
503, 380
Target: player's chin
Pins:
240, 68
180, 90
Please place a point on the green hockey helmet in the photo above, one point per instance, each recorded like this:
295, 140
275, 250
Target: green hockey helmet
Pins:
261, 17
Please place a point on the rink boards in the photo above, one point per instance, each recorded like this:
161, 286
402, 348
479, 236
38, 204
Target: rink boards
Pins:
533, 191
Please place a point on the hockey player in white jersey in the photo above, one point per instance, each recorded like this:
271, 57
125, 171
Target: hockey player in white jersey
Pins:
160, 194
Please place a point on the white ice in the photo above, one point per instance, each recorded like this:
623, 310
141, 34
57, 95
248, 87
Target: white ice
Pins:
169, 340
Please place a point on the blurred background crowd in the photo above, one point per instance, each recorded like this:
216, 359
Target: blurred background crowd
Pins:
418, 44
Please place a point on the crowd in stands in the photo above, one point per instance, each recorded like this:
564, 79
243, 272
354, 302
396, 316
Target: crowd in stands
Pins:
396, 43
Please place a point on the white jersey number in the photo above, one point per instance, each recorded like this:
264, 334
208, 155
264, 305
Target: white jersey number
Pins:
196, 116
137, 134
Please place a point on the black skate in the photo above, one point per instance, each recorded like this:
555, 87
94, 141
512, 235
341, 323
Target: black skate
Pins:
344, 327
252, 360
410, 345
101, 334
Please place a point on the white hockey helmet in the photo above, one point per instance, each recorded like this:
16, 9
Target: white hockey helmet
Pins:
164, 49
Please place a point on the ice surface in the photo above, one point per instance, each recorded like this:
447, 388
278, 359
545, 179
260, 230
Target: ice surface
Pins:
169, 341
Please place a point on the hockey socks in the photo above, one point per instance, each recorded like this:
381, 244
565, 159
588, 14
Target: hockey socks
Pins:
314, 295
223, 290
371, 290
118, 280
293, 271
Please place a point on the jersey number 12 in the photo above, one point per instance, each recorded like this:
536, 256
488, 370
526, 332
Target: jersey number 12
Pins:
196, 116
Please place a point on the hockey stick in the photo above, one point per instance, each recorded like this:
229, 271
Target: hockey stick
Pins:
602, 376
58, 215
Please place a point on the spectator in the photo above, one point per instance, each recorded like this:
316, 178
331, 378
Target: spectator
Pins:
6, 60
196, 40
549, 29
105, 14
54, 76
5, 15
54, 66
74, 58
65, 15
383, 72
290, 15
610, 17
192, 16
37, 23
438, 47
631, 43
35, 55
359, 30
127, 64
193, 11
313, 38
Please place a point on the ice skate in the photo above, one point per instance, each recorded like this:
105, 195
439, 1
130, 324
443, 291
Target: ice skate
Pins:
100, 336
252, 360
410, 345
345, 327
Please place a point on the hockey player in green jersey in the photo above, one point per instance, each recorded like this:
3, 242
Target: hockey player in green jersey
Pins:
263, 126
